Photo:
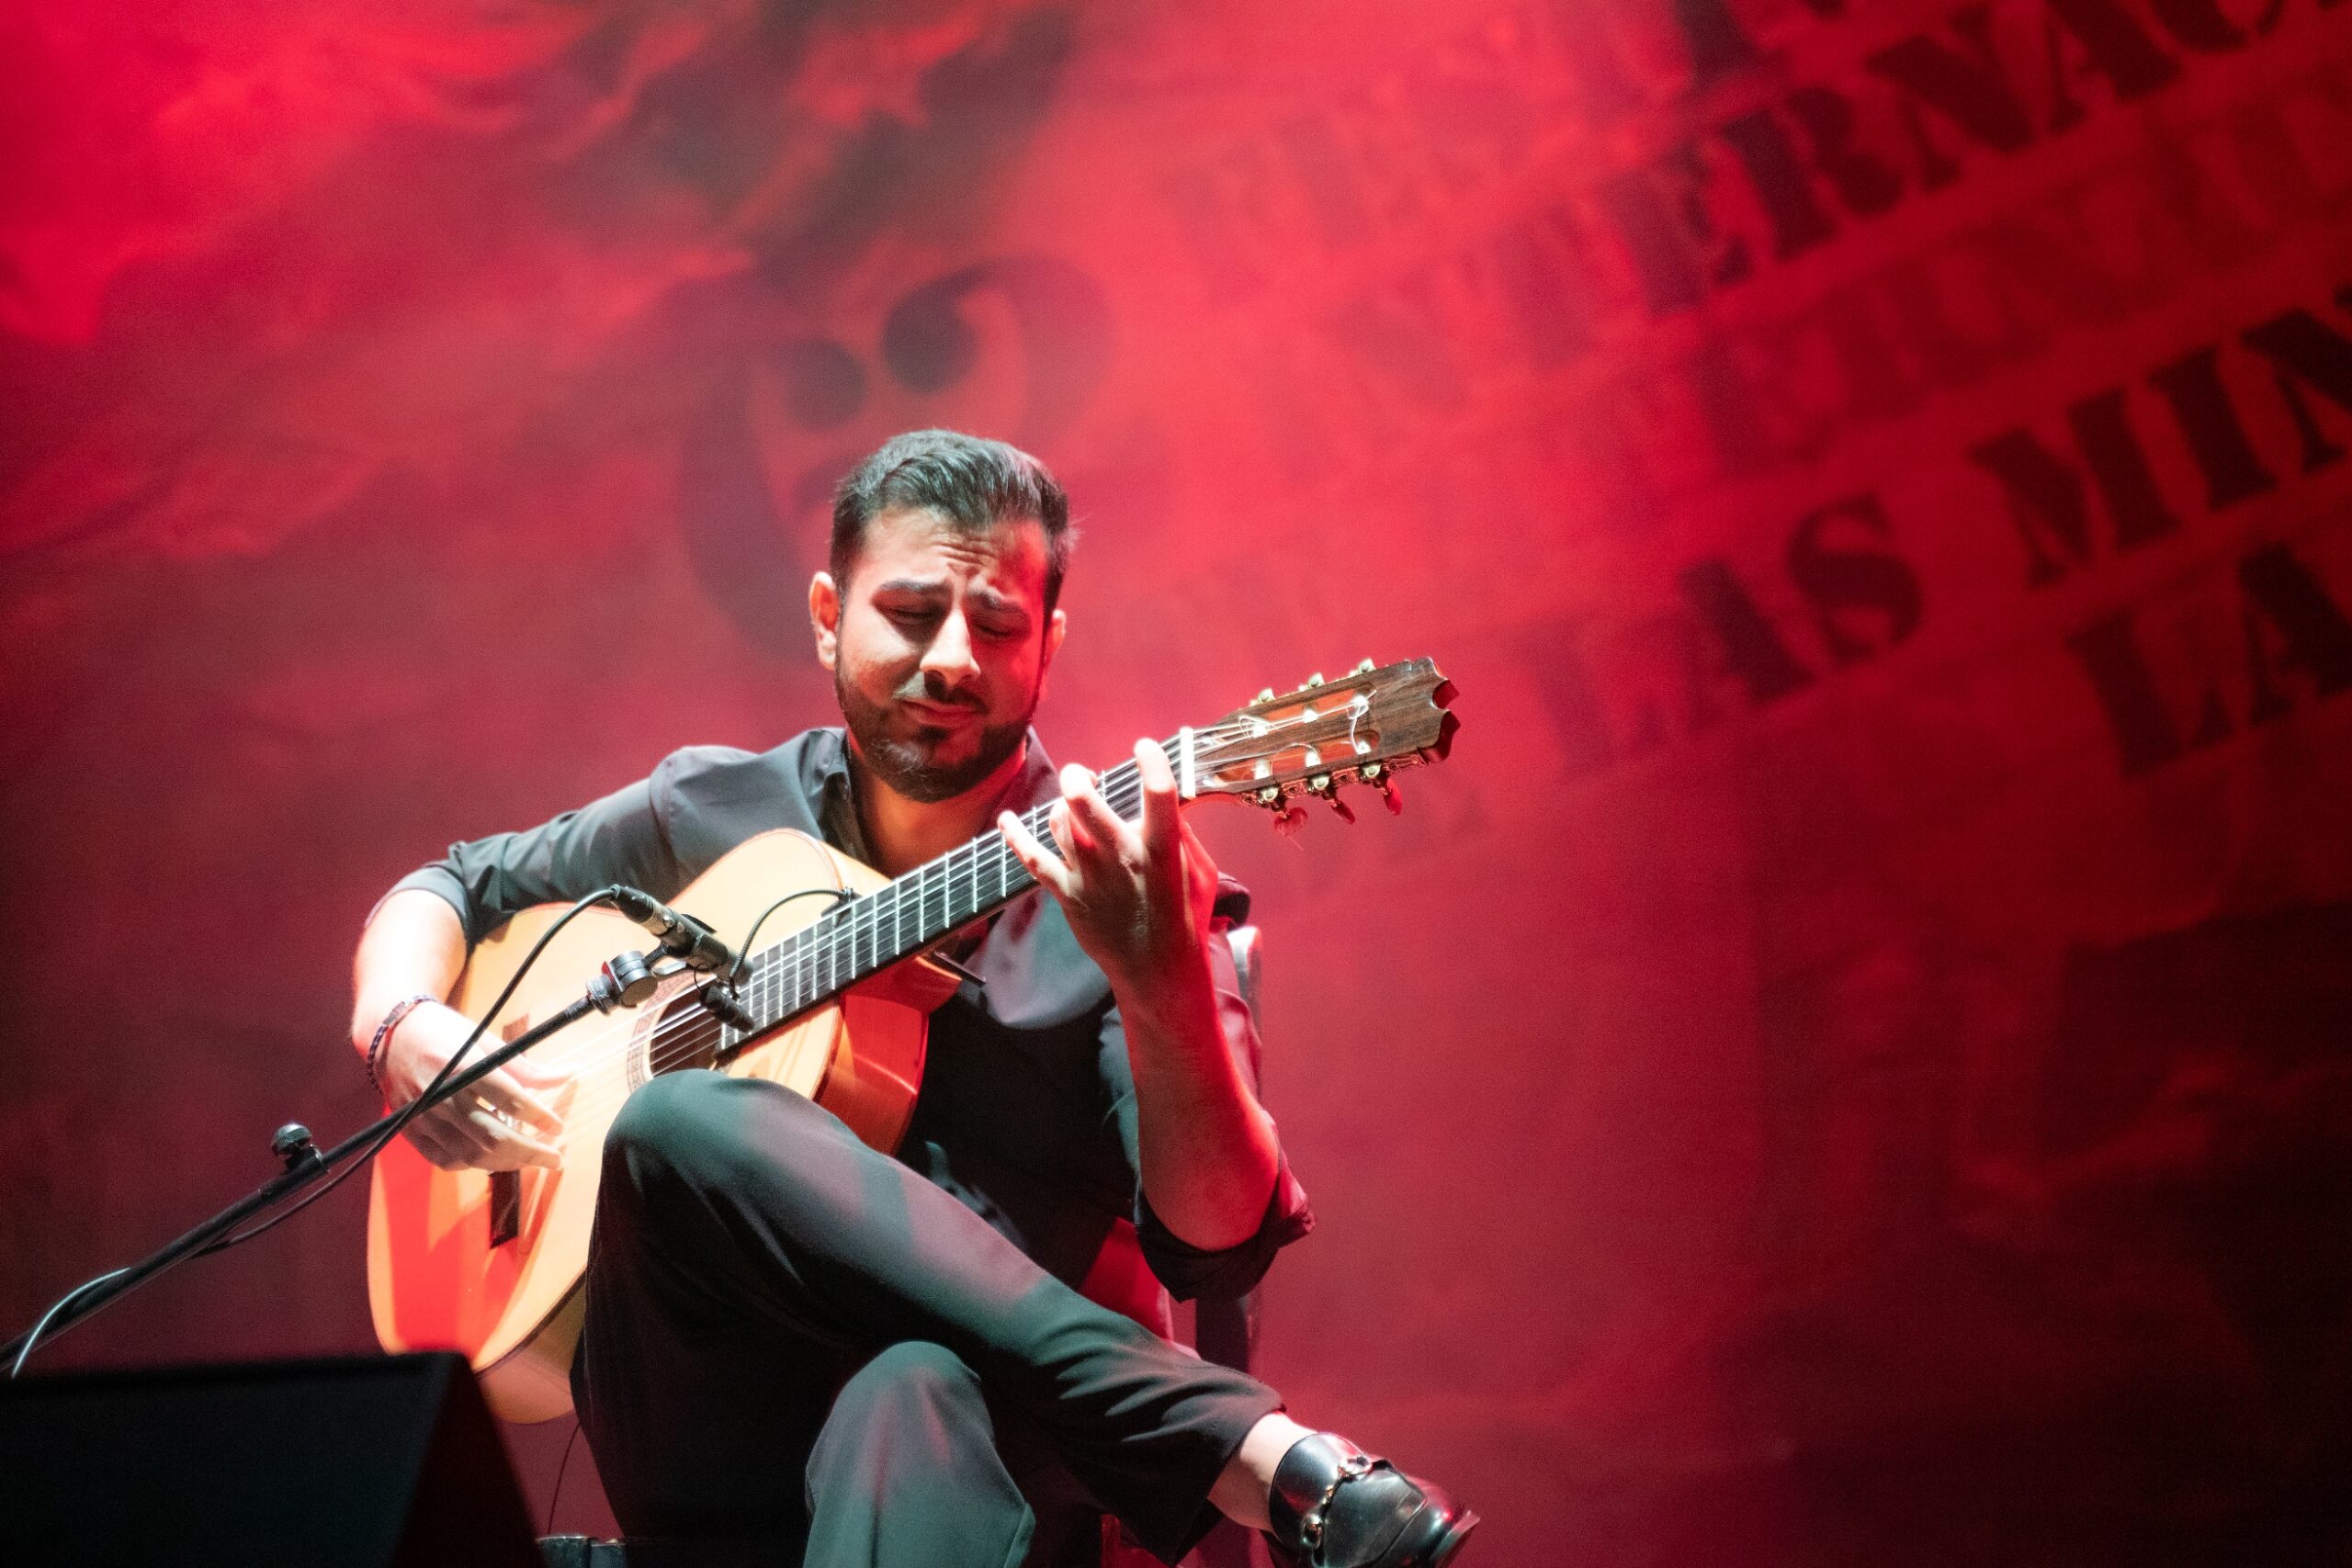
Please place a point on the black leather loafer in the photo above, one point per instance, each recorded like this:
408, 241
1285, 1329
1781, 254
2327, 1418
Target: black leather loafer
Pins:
1333, 1506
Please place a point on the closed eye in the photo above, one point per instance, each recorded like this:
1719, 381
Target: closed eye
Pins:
917, 617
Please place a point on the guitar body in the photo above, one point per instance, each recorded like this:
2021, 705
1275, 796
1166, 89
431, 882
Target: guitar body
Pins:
491, 1264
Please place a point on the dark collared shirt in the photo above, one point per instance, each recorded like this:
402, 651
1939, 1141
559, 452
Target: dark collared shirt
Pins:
1027, 1109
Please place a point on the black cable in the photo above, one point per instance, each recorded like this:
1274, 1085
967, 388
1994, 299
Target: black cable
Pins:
54, 1308
409, 1111
371, 1151
839, 894
557, 1495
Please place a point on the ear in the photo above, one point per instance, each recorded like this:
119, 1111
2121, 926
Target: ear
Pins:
825, 618
1056, 628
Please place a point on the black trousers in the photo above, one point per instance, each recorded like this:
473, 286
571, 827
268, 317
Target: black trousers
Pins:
799, 1350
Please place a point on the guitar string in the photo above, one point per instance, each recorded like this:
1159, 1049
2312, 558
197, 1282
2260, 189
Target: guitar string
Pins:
1120, 785
621, 1032
837, 951
846, 934
695, 1032
575, 1049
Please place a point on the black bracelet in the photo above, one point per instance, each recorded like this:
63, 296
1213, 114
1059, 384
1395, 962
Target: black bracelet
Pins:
401, 1009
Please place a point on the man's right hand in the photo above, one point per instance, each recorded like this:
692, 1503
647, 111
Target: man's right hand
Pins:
503, 1123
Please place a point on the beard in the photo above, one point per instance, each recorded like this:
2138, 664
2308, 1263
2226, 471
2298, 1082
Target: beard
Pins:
904, 766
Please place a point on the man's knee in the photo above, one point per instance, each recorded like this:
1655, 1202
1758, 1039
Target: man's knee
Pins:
666, 1123
696, 1132
682, 1133
913, 1375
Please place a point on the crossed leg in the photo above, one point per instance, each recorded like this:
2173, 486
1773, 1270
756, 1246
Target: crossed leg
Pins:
754, 1261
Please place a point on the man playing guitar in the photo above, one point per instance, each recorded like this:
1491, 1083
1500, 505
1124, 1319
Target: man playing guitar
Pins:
796, 1347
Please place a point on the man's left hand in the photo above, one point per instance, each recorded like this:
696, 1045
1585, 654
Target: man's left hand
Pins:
1138, 895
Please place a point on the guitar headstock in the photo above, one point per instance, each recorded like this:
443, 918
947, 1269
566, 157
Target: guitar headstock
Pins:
1362, 728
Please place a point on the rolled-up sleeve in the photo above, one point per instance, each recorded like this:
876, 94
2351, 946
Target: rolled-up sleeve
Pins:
1187, 1270
1190, 1271
617, 839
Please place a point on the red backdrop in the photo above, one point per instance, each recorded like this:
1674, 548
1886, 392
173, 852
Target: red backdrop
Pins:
1843, 1065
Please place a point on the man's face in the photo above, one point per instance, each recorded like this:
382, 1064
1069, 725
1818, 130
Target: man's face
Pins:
938, 647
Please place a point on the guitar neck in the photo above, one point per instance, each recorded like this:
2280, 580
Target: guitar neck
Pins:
862, 936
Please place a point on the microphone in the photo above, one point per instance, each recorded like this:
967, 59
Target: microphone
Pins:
682, 936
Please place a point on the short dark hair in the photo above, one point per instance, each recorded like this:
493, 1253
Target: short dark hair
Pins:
975, 483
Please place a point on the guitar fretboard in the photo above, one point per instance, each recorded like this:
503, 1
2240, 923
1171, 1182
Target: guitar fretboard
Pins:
862, 936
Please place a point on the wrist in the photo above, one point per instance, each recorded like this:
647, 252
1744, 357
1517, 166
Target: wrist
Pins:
368, 1010
379, 1039
1172, 998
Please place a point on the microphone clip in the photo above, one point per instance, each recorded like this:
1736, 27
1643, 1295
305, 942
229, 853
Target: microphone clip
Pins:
680, 935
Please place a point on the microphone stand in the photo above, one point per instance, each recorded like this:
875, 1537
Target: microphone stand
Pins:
624, 981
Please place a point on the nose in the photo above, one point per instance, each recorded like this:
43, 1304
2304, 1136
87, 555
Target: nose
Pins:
948, 663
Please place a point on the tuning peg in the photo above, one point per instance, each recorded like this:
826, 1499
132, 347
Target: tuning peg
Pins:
1384, 778
1328, 787
1388, 792
1363, 668
1316, 679
1265, 696
1270, 797
1288, 820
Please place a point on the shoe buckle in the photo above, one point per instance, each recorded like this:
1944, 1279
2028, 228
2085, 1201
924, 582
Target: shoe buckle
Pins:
1310, 1523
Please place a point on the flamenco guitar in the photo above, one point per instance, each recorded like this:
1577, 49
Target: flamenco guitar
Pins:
490, 1264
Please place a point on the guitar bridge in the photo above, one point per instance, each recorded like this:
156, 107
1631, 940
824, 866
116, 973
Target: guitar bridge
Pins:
505, 1206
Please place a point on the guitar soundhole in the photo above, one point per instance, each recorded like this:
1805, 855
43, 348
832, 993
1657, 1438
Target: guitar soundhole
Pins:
684, 1036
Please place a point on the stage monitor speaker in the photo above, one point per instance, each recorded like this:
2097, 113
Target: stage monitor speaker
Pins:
366, 1462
